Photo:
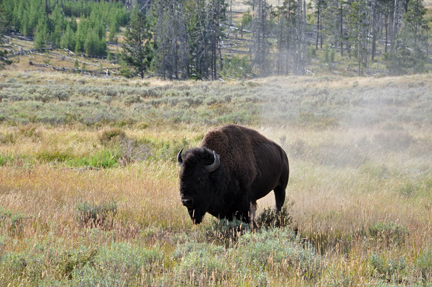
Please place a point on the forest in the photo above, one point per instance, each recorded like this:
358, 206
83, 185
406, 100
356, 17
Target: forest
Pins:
182, 39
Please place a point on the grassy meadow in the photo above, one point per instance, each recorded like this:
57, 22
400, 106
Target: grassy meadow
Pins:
89, 182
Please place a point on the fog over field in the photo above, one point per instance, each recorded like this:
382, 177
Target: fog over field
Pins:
89, 188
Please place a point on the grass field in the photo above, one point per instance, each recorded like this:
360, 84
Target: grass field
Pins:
89, 182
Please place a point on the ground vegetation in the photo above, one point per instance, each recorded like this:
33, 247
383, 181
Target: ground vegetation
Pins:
89, 182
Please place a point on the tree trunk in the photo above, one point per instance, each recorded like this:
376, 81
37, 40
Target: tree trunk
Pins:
386, 34
373, 31
341, 29
393, 34
318, 28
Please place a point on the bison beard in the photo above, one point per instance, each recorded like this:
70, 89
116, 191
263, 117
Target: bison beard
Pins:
233, 167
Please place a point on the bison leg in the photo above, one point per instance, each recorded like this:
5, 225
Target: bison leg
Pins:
279, 193
252, 211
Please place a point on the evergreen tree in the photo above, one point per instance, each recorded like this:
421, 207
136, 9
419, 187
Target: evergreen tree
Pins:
80, 38
68, 38
359, 27
41, 34
409, 53
3, 25
137, 50
91, 44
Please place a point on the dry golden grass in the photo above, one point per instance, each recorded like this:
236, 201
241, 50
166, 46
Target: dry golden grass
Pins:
346, 183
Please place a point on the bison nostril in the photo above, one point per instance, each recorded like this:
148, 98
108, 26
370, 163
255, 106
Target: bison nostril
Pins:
187, 202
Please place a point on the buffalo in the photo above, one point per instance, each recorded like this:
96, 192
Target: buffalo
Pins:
233, 168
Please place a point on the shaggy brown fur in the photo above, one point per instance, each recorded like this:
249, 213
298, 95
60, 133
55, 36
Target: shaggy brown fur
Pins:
250, 167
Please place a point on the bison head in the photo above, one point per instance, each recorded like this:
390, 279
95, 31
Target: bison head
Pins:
200, 180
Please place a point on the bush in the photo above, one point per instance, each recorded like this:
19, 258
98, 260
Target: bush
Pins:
423, 265
40, 264
7, 138
121, 265
200, 264
388, 233
269, 218
225, 231
132, 151
405, 61
4, 159
12, 221
278, 249
111, 134
30, 131
388, 269
101, 215
129, 100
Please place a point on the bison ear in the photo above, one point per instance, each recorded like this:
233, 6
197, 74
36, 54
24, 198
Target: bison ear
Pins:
179, 157
215, 164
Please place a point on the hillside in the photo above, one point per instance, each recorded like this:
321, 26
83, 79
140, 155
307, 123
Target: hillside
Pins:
236, 40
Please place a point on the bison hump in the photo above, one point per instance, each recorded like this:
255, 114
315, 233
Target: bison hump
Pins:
234, 144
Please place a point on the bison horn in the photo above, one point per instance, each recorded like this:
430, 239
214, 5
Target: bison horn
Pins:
179, 157
215, 164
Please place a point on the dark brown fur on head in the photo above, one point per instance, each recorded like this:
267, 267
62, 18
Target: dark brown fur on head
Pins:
198, 187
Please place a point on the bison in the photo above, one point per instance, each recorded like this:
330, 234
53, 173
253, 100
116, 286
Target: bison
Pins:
233, 167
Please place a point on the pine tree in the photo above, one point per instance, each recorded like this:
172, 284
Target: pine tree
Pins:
359, 26
41, 34
410, 48
3, 25
68, 38
137, 50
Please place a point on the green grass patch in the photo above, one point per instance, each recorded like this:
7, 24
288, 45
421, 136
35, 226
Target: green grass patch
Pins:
100, 159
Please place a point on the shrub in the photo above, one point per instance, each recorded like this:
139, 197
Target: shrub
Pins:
225, 231
129, 100
269, 218
74, 259
120, 265
200, 264
7, 138
54, 155
27, 265
111, 134
132, 151
388, 233
12, 221
46, 257
30, 131
423, 265
388, 269
278, 249
101, 215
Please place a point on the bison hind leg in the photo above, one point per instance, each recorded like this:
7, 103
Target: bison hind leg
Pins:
279, 193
